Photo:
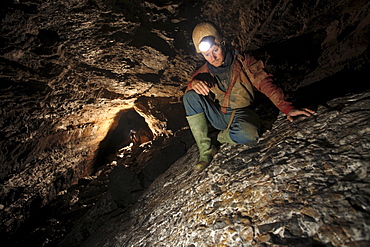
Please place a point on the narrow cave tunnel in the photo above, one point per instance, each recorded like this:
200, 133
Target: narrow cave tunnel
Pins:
128, 128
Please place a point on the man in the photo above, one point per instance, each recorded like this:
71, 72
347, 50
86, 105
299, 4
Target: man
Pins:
230, 77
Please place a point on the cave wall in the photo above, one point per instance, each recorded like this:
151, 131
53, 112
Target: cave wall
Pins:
69, 68
303, 42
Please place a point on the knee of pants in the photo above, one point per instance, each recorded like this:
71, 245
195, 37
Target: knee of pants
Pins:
244, 133
190, 96
191, 102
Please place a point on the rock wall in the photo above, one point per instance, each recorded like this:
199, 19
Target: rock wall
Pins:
302, 184
70, 69
304, 42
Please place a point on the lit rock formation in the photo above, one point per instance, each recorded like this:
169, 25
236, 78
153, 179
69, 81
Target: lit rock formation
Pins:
92, 88
302, 184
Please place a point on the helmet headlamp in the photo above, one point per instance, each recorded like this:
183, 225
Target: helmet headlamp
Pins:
206, 43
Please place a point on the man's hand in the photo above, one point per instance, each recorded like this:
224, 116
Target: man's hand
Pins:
297, 112
200, 87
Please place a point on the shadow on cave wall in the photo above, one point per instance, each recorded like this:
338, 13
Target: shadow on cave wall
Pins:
126, 122
348, 81
345, 82
292, 60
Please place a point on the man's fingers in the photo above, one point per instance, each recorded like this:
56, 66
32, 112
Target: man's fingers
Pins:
309, 110
306, 113
296, 112
201, 88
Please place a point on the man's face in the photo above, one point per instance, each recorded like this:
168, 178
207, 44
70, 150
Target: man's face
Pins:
214, 55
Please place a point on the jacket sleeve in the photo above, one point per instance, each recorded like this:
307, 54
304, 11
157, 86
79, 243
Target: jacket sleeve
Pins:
264, 83
202, 69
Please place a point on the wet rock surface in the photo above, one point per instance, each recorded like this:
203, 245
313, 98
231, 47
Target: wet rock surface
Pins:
69, 70
302, 184
78, 76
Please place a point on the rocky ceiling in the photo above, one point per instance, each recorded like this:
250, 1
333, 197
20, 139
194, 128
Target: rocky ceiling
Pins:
77, 77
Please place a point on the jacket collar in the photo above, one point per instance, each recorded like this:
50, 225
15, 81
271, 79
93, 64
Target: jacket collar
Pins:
226, 65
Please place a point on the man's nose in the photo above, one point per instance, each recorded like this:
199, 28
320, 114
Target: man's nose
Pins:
213, 57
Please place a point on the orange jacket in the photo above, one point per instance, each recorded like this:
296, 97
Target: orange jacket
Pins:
246, 71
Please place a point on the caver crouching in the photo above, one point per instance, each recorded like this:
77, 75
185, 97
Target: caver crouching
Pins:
229, 77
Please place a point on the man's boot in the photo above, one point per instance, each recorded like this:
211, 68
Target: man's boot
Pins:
224, 137
199, 128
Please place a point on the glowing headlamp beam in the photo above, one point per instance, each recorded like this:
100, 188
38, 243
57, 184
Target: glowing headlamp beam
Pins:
206, 43
204, 46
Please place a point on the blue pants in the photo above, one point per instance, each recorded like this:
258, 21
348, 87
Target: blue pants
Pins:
245, 125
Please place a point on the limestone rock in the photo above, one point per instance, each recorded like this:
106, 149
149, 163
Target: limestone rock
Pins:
302, 184
74, 73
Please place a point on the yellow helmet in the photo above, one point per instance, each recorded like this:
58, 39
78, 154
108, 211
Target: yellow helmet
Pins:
205, 35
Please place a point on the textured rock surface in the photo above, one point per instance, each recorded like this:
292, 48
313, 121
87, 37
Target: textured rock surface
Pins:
302, 184
69, 70
77, 76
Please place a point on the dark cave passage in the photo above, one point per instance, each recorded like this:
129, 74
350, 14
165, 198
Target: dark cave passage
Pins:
128, 127
347, 81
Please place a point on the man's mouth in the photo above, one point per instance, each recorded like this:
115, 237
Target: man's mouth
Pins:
217, 62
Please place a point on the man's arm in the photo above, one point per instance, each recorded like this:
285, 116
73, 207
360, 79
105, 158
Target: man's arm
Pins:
264, 83
199, 86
